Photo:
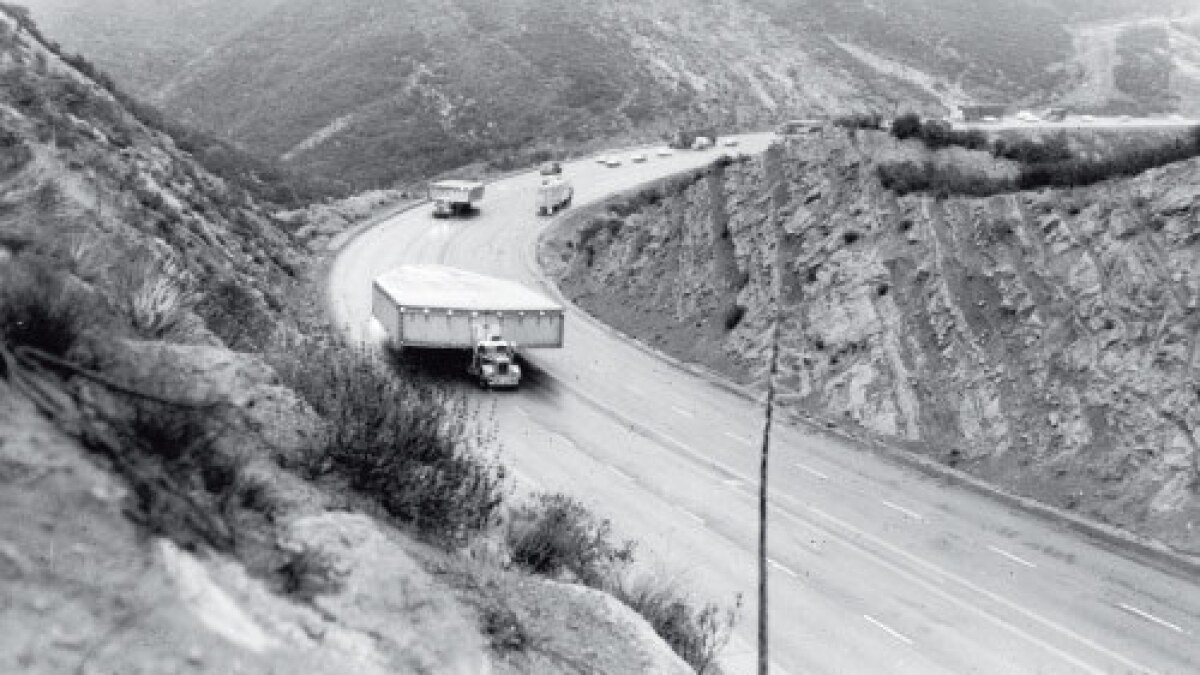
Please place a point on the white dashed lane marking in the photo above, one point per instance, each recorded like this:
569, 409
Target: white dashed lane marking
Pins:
740, 439
890, 631
1150, 617
682, 412
620, 473
896, 507
809, 469
1015, 558
782, 568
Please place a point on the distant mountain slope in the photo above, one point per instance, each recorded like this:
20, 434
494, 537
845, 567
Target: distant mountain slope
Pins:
379, 91
145, 43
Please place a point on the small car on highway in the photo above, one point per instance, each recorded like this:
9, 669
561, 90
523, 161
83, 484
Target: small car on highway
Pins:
639, 157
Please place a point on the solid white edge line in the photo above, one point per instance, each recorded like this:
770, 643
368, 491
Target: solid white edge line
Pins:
1010, 556
1150, 617
890, 631
911, 514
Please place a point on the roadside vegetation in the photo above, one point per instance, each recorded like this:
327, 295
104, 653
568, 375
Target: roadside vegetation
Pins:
1039, 162
119, 270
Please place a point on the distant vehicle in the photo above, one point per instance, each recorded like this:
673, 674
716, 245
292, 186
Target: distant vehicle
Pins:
1125, 118
794, 127
454, 197
426, 307
730, 142
1027, 116
612, 162
1087, 118
702, 143
550, 169
686, 138
639, 157
553, 194
664, 152
990, 119
1055, 114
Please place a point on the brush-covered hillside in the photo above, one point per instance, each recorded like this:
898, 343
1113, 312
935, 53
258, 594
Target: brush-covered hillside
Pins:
1048, 341
196, 475
384, 91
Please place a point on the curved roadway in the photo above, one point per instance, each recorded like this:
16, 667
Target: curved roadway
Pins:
875, 567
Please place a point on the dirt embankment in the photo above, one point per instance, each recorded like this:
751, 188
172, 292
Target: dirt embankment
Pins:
1045, 341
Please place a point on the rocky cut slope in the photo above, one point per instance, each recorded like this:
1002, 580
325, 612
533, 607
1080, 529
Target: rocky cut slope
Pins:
1047, 341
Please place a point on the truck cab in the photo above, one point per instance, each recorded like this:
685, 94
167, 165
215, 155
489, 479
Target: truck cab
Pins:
494, 364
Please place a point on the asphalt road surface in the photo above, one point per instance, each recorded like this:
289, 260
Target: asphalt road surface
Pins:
875, 567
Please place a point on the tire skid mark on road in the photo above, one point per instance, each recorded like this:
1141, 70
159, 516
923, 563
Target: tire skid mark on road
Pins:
1151, 618
1011, 556
887, 629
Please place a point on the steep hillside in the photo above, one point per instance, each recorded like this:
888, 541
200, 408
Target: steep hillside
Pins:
196, 476
145, 44
386, 91
1047, 341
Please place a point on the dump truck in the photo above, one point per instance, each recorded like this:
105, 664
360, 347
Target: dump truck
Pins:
454, 197
685, 139
488, 319
553, 194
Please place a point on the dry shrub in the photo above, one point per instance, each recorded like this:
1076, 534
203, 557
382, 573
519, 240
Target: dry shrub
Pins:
154, 290
40, 308
414, 449
696, 635
555, 534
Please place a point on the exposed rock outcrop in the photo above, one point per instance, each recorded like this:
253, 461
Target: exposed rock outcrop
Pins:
1048, 341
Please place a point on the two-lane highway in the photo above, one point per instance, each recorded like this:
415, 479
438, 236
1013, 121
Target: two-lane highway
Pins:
874, 567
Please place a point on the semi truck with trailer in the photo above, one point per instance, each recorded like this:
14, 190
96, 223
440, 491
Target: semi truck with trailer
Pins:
454, 197
488, 319
553, 194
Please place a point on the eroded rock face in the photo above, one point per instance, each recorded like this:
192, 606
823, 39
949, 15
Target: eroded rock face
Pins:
1048, 341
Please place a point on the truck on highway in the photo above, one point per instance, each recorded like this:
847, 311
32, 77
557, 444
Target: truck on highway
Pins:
687, 139
553, 194
489, 319
453, 197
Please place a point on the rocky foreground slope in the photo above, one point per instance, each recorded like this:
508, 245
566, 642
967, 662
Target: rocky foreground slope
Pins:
1047, 341
166, 502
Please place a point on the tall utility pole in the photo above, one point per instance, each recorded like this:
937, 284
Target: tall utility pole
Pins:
763, 660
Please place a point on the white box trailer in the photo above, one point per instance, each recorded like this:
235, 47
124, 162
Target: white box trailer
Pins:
439, 307
451, 197
553, 194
